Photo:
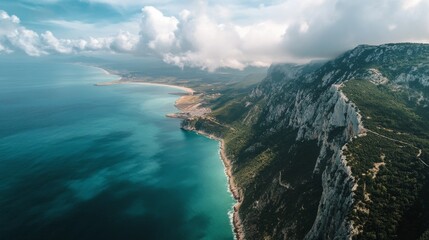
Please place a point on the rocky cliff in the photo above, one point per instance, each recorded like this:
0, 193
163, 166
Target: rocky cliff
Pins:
316, 111
291, 143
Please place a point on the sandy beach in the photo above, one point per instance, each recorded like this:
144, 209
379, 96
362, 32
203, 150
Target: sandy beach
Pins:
186, 89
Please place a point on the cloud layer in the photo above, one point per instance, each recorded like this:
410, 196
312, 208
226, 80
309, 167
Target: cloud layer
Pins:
196, 39
15, 37
214, 35
297, 30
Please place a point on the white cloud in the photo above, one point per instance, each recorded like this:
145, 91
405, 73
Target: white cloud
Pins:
14, 37
124, 42
236, 34
26, 40
4, 49
233, 35
197, 39
158, 31
11, 33
4, 17
338, 25
54, 44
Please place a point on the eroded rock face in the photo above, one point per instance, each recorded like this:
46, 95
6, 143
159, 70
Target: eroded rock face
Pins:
316, 113
301, 120
306, 100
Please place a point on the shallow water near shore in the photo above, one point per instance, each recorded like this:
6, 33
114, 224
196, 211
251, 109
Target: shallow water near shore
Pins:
85, 162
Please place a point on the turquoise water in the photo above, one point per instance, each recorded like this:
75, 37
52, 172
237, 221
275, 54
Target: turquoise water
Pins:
84, 162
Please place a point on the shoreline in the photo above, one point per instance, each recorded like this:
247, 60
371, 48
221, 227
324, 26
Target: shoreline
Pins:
236, 221
233, 189
122, 81
104, 70
235, 192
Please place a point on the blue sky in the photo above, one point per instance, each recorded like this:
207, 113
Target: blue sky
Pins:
209, 34
47, 15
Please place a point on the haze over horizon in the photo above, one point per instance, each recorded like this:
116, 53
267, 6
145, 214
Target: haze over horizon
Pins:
209, 34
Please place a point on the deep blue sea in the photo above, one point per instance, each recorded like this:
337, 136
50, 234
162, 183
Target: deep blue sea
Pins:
79, 161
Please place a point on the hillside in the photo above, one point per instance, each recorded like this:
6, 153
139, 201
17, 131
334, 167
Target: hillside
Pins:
333, 150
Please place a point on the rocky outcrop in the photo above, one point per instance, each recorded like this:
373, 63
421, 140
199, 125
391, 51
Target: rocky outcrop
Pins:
337, 180
288, 151
323, 114
306, 101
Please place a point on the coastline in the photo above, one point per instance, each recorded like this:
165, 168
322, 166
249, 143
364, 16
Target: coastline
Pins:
104, 70
121, 81
236, 194
236, 221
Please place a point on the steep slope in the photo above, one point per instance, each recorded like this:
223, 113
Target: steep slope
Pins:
333, 150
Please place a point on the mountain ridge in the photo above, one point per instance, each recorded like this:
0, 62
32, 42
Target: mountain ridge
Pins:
294, 144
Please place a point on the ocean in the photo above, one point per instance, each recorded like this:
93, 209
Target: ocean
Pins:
79, 161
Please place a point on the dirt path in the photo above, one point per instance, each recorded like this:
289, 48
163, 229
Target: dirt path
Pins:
402, 142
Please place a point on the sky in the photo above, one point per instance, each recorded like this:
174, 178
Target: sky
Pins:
209, 34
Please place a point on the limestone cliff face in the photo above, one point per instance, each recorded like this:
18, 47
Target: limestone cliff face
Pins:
318, 111
306, 102
289, 165
337, 180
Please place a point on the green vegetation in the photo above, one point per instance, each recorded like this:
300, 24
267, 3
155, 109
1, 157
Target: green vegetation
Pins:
246, 173
258, 160
276, 172
230, 111
384, 107
387, 163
